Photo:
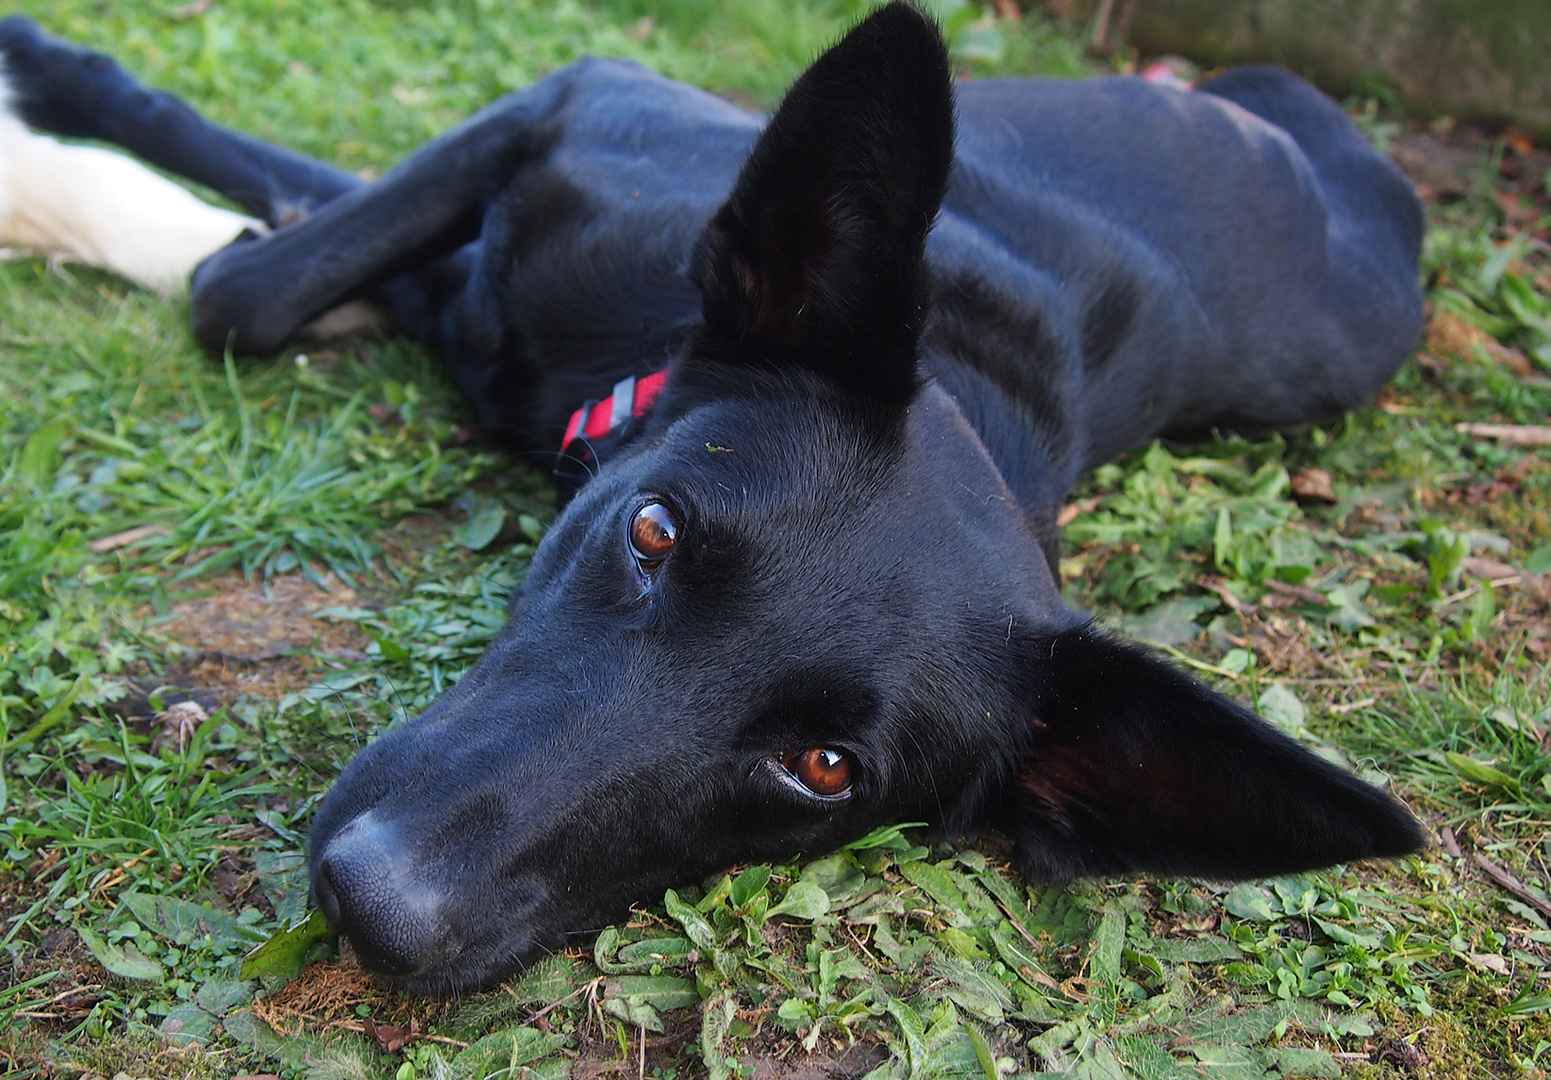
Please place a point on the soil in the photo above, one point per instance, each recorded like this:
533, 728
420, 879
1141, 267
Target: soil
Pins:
1448, 160
256, 638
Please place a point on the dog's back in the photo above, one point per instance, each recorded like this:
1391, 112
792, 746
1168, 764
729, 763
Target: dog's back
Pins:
1210, 267
1114, 260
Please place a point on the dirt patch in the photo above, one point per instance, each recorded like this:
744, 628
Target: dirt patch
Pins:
841, 1063
67, 999
255, 621
770, 1054
1440, 166
261, 638
1448, 161
1449, 335
74, 984
411, 537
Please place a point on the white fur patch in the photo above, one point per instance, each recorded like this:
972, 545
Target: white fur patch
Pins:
105, 209
5, 172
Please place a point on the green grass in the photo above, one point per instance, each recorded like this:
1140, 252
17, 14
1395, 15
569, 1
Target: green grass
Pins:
140, 868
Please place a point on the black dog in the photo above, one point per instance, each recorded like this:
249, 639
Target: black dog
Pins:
810, 588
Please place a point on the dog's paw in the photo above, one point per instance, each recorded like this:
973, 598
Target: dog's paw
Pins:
54, 86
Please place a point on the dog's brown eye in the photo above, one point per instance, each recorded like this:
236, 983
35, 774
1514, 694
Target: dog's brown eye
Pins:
653, 532
821, 770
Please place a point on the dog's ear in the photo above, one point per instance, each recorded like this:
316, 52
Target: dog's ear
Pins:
817, 257
1133, 766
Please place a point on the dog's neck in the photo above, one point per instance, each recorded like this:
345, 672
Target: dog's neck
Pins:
599, 427
1023, 441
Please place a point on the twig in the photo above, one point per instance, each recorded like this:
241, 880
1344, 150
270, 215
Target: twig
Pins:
1101, 26
860, 944
128, 536
1463, 594
1450, 844
1199, 665
553, 1004
74, 991
1352, 706
1510, 434
1220, 587
1512, 884
1308, 596
1018, 926
1070, 512
420, 1036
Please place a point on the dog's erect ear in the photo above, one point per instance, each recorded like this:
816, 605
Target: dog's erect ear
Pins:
1134, 766
817, 257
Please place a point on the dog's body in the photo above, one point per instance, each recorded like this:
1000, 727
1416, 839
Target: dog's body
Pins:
812, 588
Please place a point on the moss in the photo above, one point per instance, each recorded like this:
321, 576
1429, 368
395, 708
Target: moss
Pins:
140, 1052
1449, 1050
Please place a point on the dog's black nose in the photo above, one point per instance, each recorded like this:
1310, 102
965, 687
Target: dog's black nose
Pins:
367, 889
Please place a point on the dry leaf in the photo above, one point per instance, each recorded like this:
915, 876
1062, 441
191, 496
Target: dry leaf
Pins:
1069, 513
1487, 569
1399, 1053
178, 724
1312, 485
1452, 335
391, 1039
1490, 961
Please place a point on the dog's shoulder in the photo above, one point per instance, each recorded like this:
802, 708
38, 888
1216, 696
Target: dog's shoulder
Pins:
610, 107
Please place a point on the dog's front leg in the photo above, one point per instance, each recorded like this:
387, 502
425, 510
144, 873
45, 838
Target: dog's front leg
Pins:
254, 295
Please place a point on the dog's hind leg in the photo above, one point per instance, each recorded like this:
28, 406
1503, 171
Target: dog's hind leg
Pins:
397, 240
71, 91
1368, 296
105, 209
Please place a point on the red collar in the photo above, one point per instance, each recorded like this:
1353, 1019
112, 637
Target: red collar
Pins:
631, 397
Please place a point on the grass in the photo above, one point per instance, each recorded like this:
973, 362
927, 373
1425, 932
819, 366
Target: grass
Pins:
309, 547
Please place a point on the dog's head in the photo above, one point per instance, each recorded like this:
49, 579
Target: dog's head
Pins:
801, 604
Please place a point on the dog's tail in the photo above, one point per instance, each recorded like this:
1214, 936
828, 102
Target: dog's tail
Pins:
103, 208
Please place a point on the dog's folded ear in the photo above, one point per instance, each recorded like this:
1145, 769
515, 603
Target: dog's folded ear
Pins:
817, 257
1133, 766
